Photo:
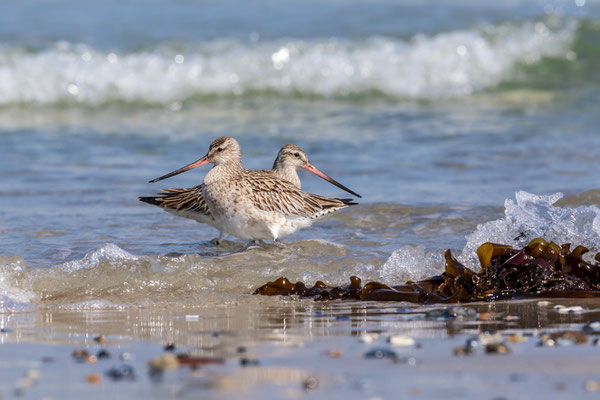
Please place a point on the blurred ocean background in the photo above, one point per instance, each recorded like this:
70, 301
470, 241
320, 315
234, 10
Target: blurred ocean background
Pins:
435, 111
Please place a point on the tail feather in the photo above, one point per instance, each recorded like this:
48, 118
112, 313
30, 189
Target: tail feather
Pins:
173, 200
156, 201
348, 202
333, 202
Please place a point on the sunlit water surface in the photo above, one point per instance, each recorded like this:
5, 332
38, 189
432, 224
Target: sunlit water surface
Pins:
457, 122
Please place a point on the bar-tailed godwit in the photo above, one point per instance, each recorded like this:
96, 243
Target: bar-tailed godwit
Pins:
257, 205
190, 203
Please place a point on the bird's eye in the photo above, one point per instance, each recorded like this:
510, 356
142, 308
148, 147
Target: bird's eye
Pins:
220, 149
297, 155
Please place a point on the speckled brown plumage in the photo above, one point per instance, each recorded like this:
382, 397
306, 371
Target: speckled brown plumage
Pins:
264, 204
255, 204
191, 199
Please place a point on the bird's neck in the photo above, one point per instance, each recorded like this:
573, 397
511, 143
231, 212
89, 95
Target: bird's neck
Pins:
289, 174
223, 171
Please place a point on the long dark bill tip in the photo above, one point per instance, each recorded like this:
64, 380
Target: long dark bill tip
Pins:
202, 161
314, 170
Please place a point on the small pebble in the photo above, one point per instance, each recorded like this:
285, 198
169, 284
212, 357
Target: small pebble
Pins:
381, 354
127, 356
100, 339
170, 347
368, 337
568, 310
496, 349
103, 354
560, 386
412, 361
401, 341
32, 374
241, 349
194, 362
592, 327
473, 342
490, 338
94, 379
5, 330
547, 341
463, 351
122, 372
310, 384
592, 386
248, 362
484, 317
563, 338
91, 359
516, 338
80, 354
25, 383
165, 362
334, 353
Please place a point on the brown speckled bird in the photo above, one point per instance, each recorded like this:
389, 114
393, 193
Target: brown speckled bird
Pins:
257, 205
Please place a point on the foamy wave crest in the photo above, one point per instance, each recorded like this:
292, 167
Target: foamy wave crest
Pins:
411, 263
13, 295
534, 216
445, 65
110, 276
528, 217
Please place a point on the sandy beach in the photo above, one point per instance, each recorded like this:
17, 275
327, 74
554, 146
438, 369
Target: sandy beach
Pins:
459, 123
301, 348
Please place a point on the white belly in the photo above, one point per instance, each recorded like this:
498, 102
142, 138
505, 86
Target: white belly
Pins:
232, 207
260, 225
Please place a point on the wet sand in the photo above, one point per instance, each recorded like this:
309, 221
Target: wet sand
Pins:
288, 348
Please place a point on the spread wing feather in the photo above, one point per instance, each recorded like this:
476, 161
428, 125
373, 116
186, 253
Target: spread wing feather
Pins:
187, 199
276, 195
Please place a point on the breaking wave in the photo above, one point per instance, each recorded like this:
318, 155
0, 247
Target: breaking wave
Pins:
525, 219
445, 65
111, 276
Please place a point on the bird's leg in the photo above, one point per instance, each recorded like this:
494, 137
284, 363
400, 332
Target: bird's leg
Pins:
219, 241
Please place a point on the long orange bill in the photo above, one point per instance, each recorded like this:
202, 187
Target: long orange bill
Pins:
311, 168
202, 161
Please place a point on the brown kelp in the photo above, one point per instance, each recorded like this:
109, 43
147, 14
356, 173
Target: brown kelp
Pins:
540, 269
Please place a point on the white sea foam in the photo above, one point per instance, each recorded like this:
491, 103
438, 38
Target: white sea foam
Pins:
110, 276
528, 217
13, 295
534, 216
109, 252
411, 263
448, 64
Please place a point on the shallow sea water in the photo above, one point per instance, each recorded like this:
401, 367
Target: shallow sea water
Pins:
457, 122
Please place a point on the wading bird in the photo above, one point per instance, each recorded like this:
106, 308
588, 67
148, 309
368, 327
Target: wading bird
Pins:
256, 205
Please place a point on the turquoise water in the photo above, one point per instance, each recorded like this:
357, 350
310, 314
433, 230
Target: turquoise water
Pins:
435, 112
